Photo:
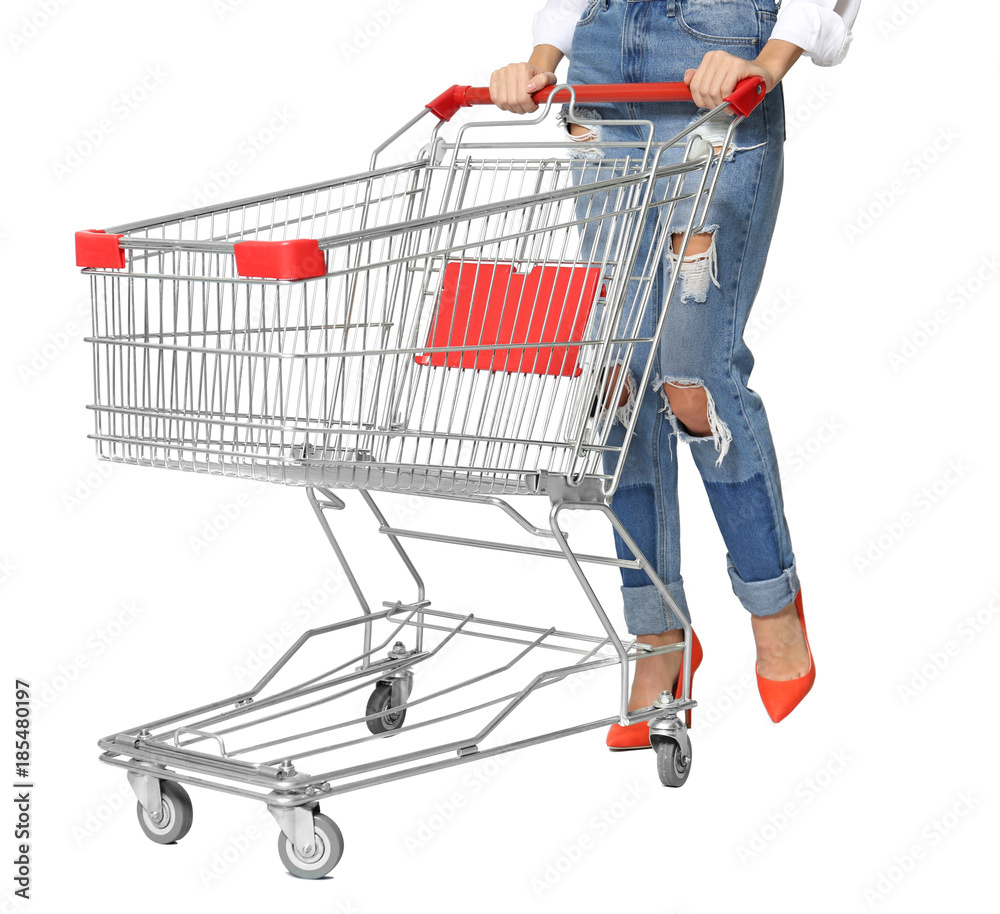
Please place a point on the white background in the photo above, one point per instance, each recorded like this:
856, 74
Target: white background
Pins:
873, 763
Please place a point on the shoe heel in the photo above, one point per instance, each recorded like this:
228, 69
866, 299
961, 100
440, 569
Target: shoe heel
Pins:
697, 655
636, 736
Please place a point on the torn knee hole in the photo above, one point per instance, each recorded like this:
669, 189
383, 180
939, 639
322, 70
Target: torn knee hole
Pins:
581, 132
690, 407
703, 147
689, 403
627, 398
617, 393
699, 267
697, 245
614, 384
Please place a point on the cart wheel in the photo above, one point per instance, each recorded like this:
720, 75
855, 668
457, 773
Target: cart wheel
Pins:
672, 765
176, 818
328, 848
381, 703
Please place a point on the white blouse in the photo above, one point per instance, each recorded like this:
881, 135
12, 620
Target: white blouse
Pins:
822, 28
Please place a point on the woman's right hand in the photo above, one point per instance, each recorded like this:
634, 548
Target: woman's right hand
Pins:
511, 87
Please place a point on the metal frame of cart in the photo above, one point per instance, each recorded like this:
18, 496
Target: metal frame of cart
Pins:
455, 332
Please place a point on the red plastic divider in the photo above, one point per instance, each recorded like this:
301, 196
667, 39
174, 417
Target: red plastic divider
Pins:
491, 305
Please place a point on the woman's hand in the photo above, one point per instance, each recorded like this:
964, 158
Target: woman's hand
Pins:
511, 87
719, 72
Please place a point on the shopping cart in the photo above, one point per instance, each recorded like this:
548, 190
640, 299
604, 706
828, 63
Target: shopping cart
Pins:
455, 326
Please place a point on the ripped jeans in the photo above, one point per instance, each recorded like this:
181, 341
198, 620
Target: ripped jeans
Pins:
702, 342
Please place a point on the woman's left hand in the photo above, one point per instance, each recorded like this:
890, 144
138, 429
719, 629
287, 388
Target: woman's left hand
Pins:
718, 74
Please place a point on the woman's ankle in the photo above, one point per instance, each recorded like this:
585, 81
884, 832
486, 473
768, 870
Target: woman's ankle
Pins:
671, 636
781, 645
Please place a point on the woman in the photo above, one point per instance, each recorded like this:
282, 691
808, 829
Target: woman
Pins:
703, 363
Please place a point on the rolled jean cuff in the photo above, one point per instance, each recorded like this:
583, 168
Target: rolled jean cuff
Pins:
765, 598
646, 612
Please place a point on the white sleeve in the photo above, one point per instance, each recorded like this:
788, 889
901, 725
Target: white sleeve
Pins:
556, 22
822, 28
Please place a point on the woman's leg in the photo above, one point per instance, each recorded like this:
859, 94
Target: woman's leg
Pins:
704, 360
705, 363
646, 504
646, 498
706, 397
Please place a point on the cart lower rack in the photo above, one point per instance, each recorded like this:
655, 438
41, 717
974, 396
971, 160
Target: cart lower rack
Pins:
459, 326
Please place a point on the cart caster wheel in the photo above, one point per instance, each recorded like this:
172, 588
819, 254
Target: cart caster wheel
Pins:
672, 765
328, 848
176, 816
381, 703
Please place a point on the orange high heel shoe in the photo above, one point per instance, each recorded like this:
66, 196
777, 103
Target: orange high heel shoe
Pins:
781, 697
636, 736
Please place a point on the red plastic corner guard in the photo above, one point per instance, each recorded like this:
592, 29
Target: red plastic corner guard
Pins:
300, 258
448, 102
747, 95
96, 249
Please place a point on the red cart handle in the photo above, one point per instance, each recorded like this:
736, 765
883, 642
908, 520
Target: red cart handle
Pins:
747, 95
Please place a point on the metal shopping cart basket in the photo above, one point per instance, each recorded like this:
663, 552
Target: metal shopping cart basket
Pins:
455, 326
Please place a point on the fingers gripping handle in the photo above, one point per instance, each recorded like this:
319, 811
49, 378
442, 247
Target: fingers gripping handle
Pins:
747, 95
